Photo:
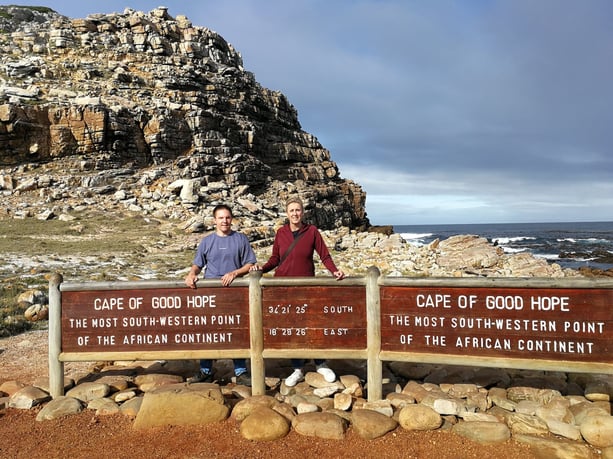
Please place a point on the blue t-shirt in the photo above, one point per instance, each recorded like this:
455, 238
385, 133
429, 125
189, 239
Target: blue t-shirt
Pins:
219, 255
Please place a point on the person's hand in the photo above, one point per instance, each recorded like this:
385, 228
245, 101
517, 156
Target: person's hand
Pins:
190, 280
338, 274
255, 267
227, 278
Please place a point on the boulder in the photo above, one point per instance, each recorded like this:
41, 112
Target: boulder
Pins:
182, 404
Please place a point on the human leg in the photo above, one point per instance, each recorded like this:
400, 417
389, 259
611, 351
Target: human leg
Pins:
205, 374
240, 366
240, 371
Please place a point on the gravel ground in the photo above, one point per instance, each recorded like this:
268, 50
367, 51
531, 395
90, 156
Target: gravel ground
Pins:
24, 358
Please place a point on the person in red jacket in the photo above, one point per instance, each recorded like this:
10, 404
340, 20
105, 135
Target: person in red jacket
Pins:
292, 256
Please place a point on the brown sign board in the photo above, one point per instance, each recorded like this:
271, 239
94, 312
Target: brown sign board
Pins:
314, 317
155, 319
530, 323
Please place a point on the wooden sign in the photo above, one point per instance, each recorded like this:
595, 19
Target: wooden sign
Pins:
316, 317
155, 319
558, 324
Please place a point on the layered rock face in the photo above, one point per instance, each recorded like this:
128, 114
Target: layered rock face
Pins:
157, 100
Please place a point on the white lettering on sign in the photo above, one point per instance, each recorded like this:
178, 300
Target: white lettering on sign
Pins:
201, 301
143, 321
433, 301
166, 302
78, 323
335, 331
293, 331
108, 304
279, 331
104, 322
138, 339
106, 340
436, 340
181, 321
561, 347
467, 302
504, 324
427, 321
480, 342
549, 303
203, 338
340, 309
230, 319
397, 319
287, 309
508, 303
584, 327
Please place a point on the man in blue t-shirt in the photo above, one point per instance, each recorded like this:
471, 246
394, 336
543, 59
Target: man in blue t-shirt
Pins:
225, 255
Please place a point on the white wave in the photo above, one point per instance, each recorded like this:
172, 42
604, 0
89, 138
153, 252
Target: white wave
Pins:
513, 250
588, 240
415, 238
415, 235
507, 240
547, 256
568, 260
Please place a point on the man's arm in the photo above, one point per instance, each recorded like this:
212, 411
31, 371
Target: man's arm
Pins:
192, 276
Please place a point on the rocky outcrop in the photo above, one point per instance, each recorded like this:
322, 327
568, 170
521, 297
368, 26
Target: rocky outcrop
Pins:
140, 100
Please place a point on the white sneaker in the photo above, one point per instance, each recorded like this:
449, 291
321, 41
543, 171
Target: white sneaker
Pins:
294, 378
327, 373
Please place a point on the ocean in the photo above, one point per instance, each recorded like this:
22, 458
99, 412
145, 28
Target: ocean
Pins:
571, 245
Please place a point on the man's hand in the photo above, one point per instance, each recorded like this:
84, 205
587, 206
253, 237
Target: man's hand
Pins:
227, 278
192, 278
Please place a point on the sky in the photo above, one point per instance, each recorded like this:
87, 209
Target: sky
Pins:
444, 112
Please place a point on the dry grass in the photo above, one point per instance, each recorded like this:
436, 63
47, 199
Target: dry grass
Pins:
89, 248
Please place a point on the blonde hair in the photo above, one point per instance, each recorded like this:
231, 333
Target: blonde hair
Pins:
294, 200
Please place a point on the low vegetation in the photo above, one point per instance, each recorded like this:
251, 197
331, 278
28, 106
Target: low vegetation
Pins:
89, 248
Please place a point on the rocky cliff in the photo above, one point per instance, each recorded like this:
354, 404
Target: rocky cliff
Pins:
157, 114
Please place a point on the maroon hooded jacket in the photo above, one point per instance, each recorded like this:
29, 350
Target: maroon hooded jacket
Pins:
299, 262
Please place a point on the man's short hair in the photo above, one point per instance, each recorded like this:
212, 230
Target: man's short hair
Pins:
220, 207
